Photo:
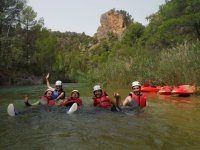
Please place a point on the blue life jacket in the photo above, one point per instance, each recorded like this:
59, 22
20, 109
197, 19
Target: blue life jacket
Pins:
55, 94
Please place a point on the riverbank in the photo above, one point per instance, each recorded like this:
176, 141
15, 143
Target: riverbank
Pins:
9, 78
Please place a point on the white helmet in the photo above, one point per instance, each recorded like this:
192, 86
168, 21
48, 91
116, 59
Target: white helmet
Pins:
75, 91
96, 87
136, 83
58, 83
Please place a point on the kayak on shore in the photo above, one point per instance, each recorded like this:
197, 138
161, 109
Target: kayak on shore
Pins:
165, 90
183, 90
150, 88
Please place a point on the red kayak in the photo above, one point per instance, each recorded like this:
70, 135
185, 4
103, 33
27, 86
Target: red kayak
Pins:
183, 90
150, 88
165, 90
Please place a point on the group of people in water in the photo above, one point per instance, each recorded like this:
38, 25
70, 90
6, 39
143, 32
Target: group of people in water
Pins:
56, 96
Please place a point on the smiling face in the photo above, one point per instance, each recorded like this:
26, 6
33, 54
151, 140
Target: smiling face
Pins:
49, 94
98, 93
136, 89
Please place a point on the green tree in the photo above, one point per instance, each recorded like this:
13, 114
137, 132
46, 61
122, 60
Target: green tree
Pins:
127, 17
45, 53
28, 19
176, 16
10, 11
133, 34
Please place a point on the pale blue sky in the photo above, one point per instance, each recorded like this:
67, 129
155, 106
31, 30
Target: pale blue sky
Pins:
84, 15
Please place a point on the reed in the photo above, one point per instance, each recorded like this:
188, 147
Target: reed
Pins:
174, 66
180, 64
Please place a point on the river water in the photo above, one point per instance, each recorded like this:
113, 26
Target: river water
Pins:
166, 123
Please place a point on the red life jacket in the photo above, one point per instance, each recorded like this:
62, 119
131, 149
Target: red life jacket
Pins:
49, 102
71, 100
102, 101
142, 102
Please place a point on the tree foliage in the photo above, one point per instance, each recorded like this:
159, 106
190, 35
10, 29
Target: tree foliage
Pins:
9, 20
127, 17
133, 34
176, 16
154, 53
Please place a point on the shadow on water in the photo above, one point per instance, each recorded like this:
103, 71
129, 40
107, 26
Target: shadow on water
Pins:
166, 123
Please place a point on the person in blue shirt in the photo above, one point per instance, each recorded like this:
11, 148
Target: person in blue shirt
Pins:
58, 92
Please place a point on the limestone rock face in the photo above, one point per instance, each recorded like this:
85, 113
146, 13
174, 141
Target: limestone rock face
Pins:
111, 21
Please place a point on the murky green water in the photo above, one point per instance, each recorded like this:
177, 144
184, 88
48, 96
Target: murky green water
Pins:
166, 123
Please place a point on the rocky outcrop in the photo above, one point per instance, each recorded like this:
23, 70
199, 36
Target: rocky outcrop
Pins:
111, 22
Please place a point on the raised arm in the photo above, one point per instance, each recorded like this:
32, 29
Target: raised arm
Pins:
48, 83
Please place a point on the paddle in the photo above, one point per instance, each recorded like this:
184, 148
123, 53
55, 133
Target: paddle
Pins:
11, 110
72, 109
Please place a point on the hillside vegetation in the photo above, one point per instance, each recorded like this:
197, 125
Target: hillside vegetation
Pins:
165, 52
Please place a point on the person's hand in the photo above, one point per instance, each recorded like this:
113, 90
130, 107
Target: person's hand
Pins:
130, 93
25, 98
59, 102
47, 76
116, 95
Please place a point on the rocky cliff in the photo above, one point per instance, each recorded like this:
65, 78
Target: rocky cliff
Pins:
111, 21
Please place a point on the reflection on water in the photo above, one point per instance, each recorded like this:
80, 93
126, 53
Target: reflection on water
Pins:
167, 123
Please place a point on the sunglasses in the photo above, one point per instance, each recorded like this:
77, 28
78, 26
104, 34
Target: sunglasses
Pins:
58, 86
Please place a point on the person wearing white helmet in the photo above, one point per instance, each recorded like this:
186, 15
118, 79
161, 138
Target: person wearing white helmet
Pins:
101, 99
74, 98
58, 92
135, 99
